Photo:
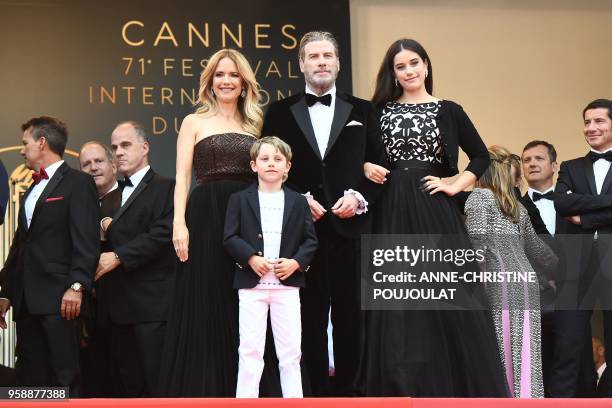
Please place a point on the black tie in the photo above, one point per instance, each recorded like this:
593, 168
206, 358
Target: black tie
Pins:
537, 196
594, 156
312, 99
126, 182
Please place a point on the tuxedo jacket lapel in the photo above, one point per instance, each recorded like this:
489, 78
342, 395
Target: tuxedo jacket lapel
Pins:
342, 111
55, 180
607, 181
289, 201
139, 189
22, 214
290, 198
302, 117
590, 175
253, 198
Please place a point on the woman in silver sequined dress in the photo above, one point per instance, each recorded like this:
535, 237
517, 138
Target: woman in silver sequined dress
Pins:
500, 225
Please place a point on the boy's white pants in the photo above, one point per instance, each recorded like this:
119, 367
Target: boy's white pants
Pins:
284, 305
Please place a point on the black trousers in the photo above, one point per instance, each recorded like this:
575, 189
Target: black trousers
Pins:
548, 348
47, 352
98, 370
333, 279
573, 371
136, 351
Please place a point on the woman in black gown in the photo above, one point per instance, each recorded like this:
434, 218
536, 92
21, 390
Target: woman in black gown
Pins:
428, 353
201, 350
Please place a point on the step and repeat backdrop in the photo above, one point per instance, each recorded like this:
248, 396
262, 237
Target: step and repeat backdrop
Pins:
94, 64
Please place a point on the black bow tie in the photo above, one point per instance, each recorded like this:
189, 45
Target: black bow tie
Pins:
594, 156
537, 196
312, 99
126, 182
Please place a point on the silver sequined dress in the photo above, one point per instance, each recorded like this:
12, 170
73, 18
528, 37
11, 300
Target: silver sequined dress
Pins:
515, 305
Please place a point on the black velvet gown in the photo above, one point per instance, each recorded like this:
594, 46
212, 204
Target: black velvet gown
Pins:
201, 350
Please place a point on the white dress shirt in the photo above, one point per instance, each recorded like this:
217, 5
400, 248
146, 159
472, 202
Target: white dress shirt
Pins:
546, 209
30, 202
600, 371
135, 178
600, 168
322, 117
271, 208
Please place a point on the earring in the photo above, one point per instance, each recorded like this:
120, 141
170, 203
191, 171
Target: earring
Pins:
396, 82
243, 93
426, 73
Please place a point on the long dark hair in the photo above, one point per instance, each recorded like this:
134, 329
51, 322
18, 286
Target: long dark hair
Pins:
386, 90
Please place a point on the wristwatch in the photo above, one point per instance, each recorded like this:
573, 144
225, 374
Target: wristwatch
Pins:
77, 287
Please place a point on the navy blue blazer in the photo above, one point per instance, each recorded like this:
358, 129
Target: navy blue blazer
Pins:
243, 236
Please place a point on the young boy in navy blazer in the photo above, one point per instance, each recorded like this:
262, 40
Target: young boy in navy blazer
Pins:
270, 233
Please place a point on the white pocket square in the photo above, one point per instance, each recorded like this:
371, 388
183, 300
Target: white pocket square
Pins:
354, 123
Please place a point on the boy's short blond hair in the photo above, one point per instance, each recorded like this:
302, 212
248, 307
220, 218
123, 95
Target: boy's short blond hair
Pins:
281, 146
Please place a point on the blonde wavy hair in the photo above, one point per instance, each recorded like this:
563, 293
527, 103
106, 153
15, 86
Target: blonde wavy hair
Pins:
248, 106
498, 178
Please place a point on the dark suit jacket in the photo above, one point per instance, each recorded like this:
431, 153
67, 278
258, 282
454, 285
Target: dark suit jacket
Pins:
576, 194
109, 204
595, 210
141, 235
61, 246
538, 224
243, 236
341, 167
534, 215
547, 294
601, 391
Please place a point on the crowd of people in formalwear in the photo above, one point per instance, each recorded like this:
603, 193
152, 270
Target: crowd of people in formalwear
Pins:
126, 283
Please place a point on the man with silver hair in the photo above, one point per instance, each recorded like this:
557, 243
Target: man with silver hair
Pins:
138, 266
331, 134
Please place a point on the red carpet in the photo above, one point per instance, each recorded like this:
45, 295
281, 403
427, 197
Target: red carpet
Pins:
318, 403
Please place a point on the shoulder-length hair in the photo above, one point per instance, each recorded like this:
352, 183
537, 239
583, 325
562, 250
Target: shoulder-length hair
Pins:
248, 105
498, 178
386, 90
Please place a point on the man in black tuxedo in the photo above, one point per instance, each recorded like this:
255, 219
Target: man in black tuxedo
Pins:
140, 266
584, 196
331, 134
52, 260
99, 378
539, 162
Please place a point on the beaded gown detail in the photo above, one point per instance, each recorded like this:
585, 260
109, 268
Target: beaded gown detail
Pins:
201, 351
